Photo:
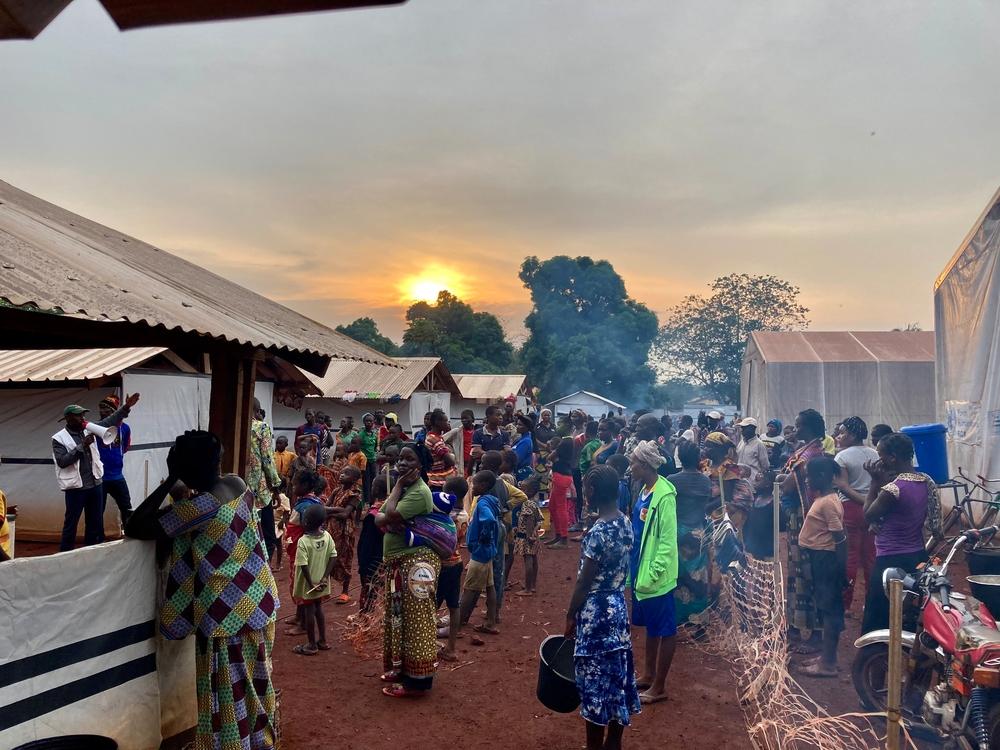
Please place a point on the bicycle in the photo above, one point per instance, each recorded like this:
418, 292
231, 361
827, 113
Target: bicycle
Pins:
964, 509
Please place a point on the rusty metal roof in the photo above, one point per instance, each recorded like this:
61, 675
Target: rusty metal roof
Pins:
25, 20
372, 382
55, 260
35, 366
844, 346
489, 387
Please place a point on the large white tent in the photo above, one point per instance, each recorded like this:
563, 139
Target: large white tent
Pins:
967, 317
881, 376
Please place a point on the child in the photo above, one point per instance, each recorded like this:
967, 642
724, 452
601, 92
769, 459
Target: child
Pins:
370, 545
824, 540
281, 513
526, 542
304, 461
482, 539
344, 500
304, 492
449, 587
339, 458
315, 556
356, 456
283, 460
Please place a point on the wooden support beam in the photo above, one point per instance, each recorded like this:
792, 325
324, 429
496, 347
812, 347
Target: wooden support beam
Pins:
231, 406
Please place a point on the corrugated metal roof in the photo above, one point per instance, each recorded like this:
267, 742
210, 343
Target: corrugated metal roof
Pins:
377, 382
34, 366
598, 396
489, 386
844, 346
54, 259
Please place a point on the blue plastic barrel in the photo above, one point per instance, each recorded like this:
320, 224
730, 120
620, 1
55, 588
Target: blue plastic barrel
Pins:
931, 449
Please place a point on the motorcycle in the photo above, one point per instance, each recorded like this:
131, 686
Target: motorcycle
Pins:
951, 650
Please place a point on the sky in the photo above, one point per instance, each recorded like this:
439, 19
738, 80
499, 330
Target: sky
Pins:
345, 163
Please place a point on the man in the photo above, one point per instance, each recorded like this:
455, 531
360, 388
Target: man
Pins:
79, 471
508, 412
262, 477
774, 441
468, 431
113, 458
489, 437
420, 435
751, 451
715, 419
853, 484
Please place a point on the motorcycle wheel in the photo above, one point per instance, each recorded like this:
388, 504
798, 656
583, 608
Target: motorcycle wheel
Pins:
993, 725
870, 673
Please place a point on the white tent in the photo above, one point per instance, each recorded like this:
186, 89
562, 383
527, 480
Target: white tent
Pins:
881, 376
591, 403
479, 391
967, 317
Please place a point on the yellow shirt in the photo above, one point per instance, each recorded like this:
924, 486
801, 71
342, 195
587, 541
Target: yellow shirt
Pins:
283, 462
4, 527
829, 446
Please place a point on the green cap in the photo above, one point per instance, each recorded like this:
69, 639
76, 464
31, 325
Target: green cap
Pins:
73, 409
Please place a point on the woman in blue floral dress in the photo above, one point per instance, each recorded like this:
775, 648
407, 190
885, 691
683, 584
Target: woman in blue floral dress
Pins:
598, 617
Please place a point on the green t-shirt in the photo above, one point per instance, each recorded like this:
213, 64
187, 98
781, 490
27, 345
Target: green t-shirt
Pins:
587, 454
416, 501
369, 443
315, 553
348, 436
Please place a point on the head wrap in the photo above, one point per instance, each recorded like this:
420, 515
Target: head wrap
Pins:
392, 415
719, 438
112, 400
366, 415
775, 423
648, 453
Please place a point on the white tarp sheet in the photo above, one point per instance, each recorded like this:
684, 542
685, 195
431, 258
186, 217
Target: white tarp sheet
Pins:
77, 646
967, 317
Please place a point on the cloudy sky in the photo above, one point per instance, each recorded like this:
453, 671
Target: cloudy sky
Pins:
343, 163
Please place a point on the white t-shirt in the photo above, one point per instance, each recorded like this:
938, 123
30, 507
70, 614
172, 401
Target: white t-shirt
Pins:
853, 461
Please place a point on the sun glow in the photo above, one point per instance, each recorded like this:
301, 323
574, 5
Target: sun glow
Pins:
425, 287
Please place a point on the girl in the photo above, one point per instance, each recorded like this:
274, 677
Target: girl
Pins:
524, 448
304, 461
370, 546
526, 542
598, 618
315, 556
562, 482
304, 491
343, 503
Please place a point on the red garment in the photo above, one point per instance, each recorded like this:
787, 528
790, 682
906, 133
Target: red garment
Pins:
559, 503
860, 549
467, 449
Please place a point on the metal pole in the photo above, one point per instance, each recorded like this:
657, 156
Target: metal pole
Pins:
895, 676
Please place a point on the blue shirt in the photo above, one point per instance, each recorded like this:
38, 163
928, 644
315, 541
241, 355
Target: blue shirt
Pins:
624, 496
483, 532
113, 456
638, 524
488, 441
523, 448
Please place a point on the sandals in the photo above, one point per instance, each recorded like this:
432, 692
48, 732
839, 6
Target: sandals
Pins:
486, 629
647, 700
342, 599
396, 690
391, 676
304, 649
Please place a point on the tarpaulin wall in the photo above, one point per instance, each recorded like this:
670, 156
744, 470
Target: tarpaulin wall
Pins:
78, 650
170, 403
967, 317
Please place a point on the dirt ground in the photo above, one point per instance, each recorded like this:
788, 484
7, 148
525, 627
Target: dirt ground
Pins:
334, 699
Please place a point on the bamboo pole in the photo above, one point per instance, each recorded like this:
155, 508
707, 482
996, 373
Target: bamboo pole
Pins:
895, 676
776, 531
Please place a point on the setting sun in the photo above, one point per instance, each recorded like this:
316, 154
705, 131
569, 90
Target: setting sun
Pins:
425, 287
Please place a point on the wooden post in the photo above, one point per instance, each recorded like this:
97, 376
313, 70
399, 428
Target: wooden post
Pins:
231, 404
895, 676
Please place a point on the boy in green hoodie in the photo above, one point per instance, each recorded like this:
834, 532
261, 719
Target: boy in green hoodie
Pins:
654, 568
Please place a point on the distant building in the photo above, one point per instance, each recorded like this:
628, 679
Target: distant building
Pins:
706, 404
480, 390
592, 403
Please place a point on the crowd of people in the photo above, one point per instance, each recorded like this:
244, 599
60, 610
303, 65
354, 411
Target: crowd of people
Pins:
432, 522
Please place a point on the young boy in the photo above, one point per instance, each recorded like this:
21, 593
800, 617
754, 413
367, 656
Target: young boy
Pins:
355, 455
825, 542
482, 539
449, 586
283, 460
315, 556
526, 542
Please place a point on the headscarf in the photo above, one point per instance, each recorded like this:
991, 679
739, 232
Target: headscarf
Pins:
647, 452
112, 400
719, 438
776, 423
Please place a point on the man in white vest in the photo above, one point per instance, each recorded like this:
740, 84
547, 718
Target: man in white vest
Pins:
79, 471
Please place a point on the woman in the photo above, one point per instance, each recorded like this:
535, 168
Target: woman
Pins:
443, 462
694, 502
609, 446
730, 489
210, 530
810, 429
598, 617
409, 627
654, 568
545, 430
901, 503
369, 446
559, 502
524, 448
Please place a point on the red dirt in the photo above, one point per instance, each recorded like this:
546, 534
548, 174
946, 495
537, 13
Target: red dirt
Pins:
334, 699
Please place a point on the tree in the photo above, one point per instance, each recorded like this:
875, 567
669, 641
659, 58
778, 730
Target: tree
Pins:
704, 338
673, 395
365, 331
584, 331
465, 340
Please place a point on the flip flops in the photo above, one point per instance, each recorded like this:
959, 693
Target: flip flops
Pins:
647, 700
396, 690
342, 599
304, 649
486, 629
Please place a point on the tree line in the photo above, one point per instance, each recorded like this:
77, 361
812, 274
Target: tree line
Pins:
586, 333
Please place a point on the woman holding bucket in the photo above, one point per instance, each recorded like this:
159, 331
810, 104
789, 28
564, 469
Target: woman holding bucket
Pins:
598, 617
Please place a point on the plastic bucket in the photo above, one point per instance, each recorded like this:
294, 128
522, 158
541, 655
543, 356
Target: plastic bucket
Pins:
557, 675
931, 449
72, 742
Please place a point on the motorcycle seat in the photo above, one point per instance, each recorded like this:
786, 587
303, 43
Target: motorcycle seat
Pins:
974, 635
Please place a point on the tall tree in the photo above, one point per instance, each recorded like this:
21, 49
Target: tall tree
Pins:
584, 331
465, 340
704, 337
365, 331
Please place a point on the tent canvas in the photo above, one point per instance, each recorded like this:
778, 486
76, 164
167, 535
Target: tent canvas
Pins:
880, 376
967, 317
